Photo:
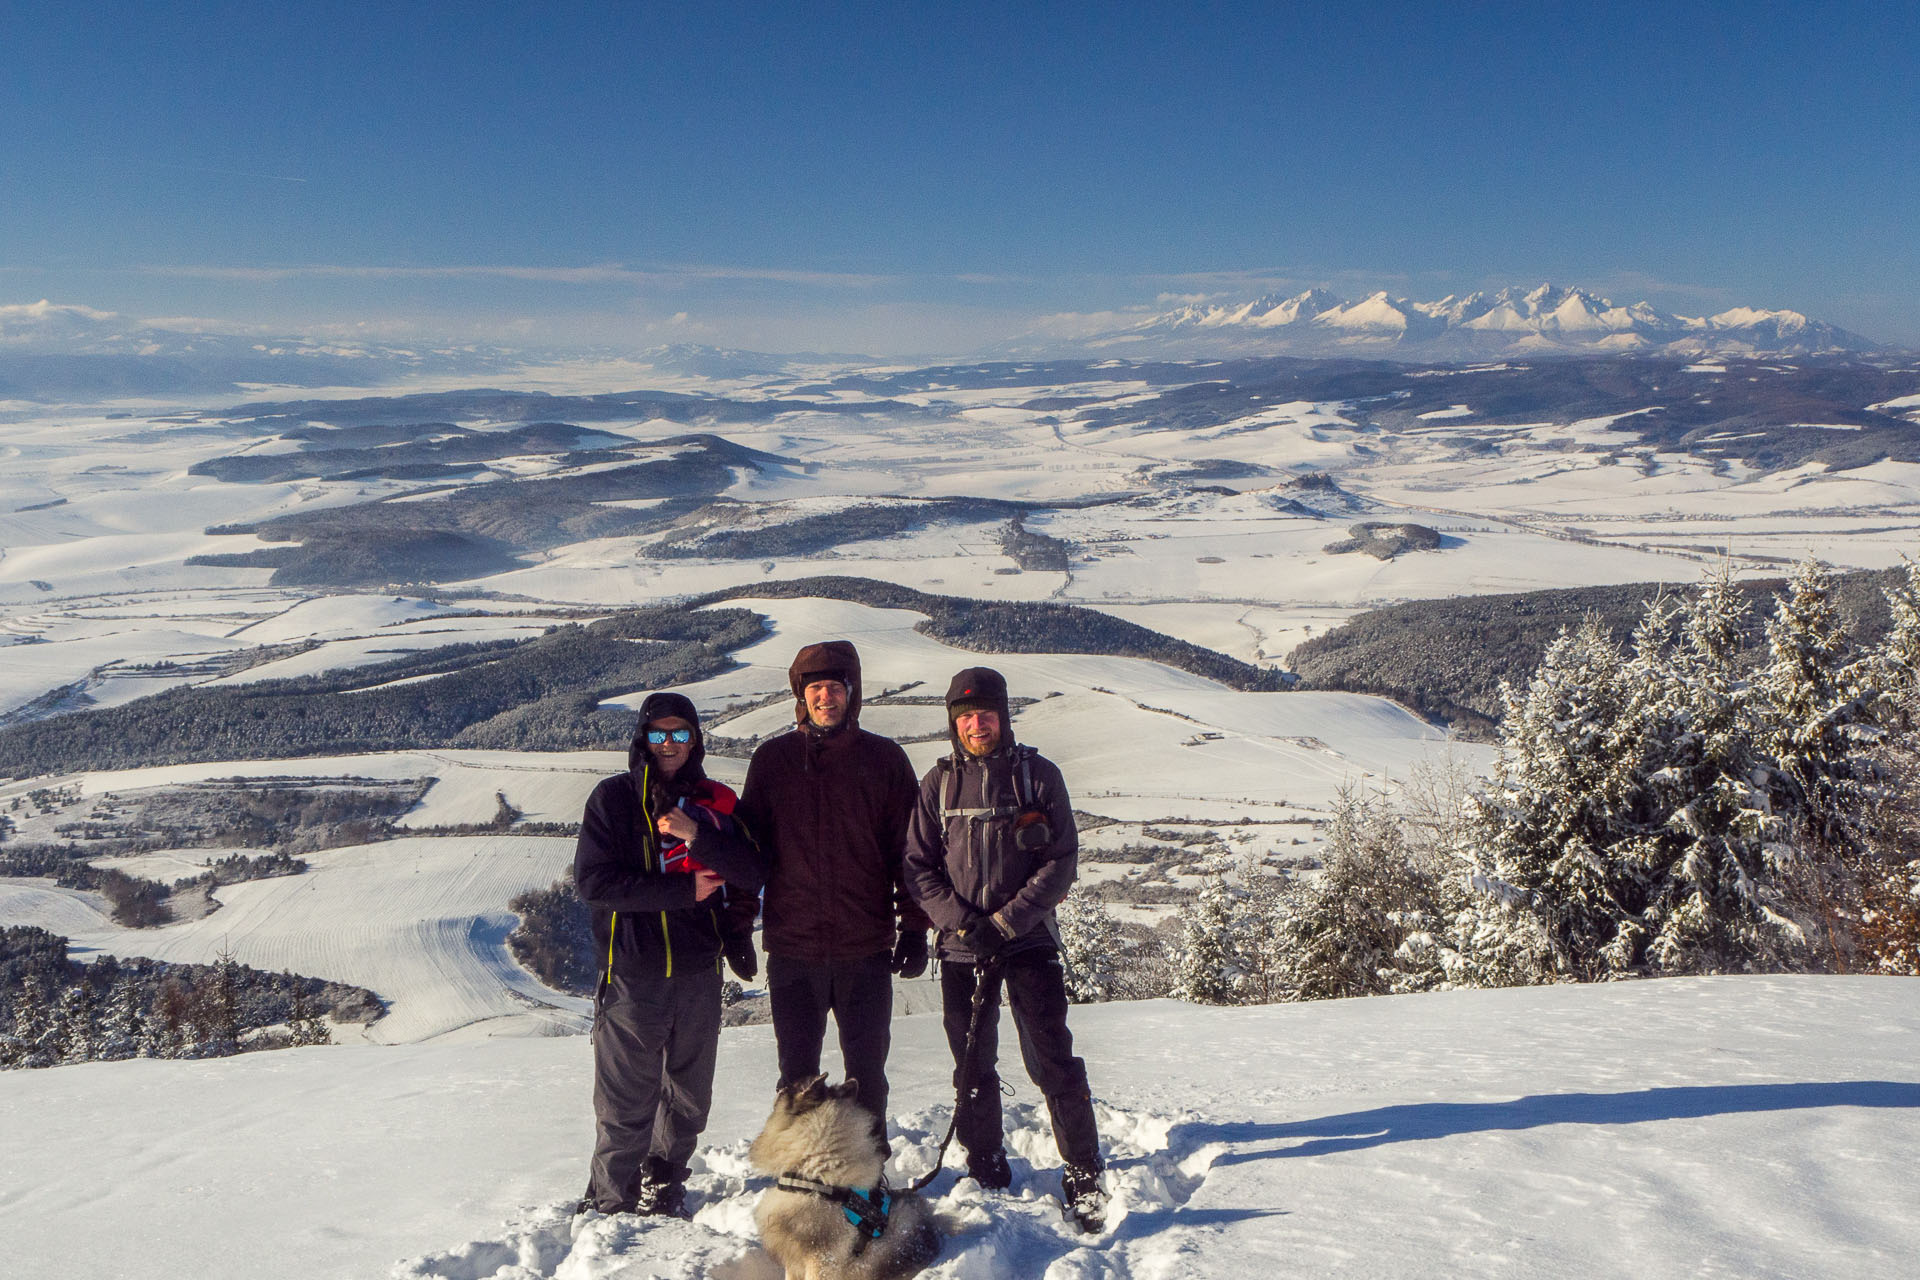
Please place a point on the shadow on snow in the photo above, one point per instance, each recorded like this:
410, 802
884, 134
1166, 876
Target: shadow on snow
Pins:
1420, 1122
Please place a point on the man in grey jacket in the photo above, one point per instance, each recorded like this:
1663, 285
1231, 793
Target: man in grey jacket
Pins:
991, 851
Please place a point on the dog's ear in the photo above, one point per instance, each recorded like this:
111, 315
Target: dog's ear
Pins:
848, 1088
808, 1094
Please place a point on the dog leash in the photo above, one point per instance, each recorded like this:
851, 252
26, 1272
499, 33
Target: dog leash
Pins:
966, 1071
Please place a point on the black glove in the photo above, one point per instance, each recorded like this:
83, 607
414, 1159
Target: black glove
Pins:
982, 938
741, 960
910, 954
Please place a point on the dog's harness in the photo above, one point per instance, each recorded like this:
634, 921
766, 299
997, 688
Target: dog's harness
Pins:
866, 1207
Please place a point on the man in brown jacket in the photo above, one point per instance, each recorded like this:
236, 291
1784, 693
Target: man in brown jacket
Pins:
829, 805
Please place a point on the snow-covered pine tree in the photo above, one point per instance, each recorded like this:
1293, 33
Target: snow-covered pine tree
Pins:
1545, 902
1897, 661
1090, 949
1888, 919
1816, 705
75, 1015
1345, 933
123, 1029
1262, 910
304, 1023
217, 1026
1712, 905
1204, 957
36, 1020
32, 1020
168, 1032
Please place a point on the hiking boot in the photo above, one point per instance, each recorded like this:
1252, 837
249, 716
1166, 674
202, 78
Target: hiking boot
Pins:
663, 1191
666, 1199
642, 1202
989, 1169
1085, 1202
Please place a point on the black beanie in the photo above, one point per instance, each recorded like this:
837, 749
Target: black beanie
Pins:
979, 689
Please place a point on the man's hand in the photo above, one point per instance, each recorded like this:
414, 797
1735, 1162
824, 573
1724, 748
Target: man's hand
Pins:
910, 954
676, 823
705, 884
741, 960
982, 938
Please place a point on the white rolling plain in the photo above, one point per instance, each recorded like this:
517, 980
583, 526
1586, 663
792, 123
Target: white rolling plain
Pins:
1743, 1128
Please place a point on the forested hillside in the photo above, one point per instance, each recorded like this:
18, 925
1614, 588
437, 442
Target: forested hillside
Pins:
1013, 626
1447, 658
542, 694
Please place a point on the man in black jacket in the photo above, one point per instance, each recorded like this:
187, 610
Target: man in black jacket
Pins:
671, 887
991, 852
828, 805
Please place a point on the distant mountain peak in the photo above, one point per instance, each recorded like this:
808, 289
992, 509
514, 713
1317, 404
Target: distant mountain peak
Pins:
1547, 318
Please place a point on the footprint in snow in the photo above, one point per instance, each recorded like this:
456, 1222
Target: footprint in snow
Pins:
1152, 1170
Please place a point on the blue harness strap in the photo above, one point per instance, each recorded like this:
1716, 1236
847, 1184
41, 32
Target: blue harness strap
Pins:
865, 1207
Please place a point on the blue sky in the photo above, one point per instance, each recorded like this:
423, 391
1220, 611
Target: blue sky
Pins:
927, 178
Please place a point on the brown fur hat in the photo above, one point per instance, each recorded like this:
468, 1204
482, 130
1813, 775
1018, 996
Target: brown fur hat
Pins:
828, 660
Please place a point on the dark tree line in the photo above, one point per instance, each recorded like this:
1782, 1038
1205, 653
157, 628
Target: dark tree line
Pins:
541, 694
1005, 626
1447, 659
809, 535
554, 938
134, 903
55, 1011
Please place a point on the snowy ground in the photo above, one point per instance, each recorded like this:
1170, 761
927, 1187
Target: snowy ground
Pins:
1730, 1127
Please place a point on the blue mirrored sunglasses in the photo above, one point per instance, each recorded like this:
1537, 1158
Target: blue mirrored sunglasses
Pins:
658, 736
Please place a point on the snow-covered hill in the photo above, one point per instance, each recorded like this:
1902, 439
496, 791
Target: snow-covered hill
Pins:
1726, 1127
1541, 321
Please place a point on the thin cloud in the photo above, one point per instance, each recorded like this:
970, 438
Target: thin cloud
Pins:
598, 274
1275, 279
1081, 324
1640, 282
230, 173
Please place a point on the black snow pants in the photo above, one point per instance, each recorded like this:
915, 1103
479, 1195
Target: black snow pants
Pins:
654, 1044
859, 995
1037, 989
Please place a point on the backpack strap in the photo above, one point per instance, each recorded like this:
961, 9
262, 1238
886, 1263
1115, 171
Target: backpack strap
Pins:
950, 799
1026, 797
1023, 792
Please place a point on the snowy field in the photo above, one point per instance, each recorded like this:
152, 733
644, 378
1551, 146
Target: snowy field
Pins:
1733, 1127
1736, 1128
99, 513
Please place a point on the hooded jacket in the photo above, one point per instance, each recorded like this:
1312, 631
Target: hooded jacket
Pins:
829, 810
964, 861
646, 922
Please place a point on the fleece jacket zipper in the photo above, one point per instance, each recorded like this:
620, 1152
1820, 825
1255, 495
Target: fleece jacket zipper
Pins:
648, 861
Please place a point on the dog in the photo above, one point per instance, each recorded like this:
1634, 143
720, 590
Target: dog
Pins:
827, 1217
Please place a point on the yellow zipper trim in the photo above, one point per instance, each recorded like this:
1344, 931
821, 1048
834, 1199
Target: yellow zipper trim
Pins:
646, 811
613, 927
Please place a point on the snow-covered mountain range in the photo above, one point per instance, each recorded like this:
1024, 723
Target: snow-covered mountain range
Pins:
1544, 320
